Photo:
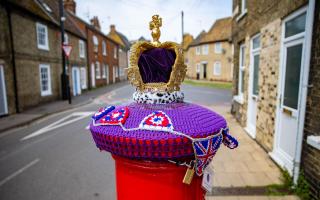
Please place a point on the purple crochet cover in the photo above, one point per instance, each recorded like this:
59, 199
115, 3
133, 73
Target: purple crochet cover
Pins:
190, 119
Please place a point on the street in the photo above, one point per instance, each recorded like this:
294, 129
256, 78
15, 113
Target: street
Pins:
56, 158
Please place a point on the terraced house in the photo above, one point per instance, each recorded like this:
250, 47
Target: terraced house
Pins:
102, 51
276, 81
209, 55
30, 54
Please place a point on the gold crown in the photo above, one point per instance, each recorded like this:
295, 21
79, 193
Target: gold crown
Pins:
179, 69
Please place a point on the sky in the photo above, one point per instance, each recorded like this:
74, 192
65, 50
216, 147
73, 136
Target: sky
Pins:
132, 17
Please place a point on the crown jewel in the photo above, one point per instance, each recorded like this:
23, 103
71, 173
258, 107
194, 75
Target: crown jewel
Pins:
156, 66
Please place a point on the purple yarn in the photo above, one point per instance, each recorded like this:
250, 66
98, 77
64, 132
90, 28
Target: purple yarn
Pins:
187, 118
155, 65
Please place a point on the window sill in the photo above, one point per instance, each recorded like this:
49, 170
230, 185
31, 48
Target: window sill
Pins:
43, 94
242, 15
45, 48
314, 141
238, 99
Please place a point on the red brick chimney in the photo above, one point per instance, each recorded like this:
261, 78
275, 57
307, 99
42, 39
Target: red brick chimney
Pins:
112, 28
95, 22
70, 5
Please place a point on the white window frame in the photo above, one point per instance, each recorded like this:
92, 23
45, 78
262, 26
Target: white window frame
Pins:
83, 78
198, 68
205, 49
95, 43
242, 53
97, 69
254, 52
116, 71
104, 71
46, 45
217, 72
115, 52
49, 91
218, 48
82, 49
243, 10
104, 48
198, 50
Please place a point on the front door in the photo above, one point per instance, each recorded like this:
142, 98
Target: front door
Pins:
204, 70
3, 94
93, 76
76, 81
253, 93
114, 74
292, 74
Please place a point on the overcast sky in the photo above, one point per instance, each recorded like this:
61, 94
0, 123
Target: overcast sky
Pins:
132, 17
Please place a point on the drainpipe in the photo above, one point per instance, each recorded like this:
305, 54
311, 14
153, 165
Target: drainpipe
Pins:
299, 139
88, 61
13, 59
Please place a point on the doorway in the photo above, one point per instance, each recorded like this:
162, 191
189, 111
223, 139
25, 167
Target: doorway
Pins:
3, 93
294, 67
76, 85
93, 76
253, 90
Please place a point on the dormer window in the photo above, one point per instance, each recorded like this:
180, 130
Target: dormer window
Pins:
243, 9
95, 43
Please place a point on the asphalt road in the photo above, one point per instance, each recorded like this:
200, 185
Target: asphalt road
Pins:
55, 158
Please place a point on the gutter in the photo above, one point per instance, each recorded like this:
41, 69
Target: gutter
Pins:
13, 59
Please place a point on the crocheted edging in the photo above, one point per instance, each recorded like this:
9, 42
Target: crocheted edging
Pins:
158, 97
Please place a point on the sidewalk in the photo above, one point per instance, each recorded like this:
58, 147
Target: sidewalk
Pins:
245, 172
30, 115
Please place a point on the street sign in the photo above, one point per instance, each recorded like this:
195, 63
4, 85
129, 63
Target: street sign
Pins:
67, 49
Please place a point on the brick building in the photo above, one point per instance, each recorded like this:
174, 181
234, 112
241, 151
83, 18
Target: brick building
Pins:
30, 53
123, 51
209, 55
272, 97
102, 51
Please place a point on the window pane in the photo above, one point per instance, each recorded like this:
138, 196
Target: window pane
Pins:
292, 76
296, 25
256, 42
256, 60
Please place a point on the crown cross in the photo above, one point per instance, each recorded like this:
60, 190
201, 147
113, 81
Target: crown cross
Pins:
154, 26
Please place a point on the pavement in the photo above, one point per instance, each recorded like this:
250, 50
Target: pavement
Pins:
56, 158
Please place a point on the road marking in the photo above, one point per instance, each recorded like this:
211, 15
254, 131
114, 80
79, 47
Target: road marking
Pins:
8, 178
61, 122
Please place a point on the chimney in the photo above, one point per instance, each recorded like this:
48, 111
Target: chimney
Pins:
95, 22
112, 29
70, 5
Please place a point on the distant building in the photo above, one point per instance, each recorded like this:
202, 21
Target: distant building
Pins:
123, 51
276, 81
102, 51
30, 54
141, 39
209, 55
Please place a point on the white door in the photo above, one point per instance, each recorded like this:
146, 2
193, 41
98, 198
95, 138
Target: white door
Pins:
76, 85
292, 76
3, 93
107, 73
93, 76
114, 74
253, 90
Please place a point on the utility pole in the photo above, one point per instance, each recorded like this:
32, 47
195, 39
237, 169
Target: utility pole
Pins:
65, 89
182, 28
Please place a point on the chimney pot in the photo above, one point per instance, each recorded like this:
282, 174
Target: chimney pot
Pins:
70, 5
